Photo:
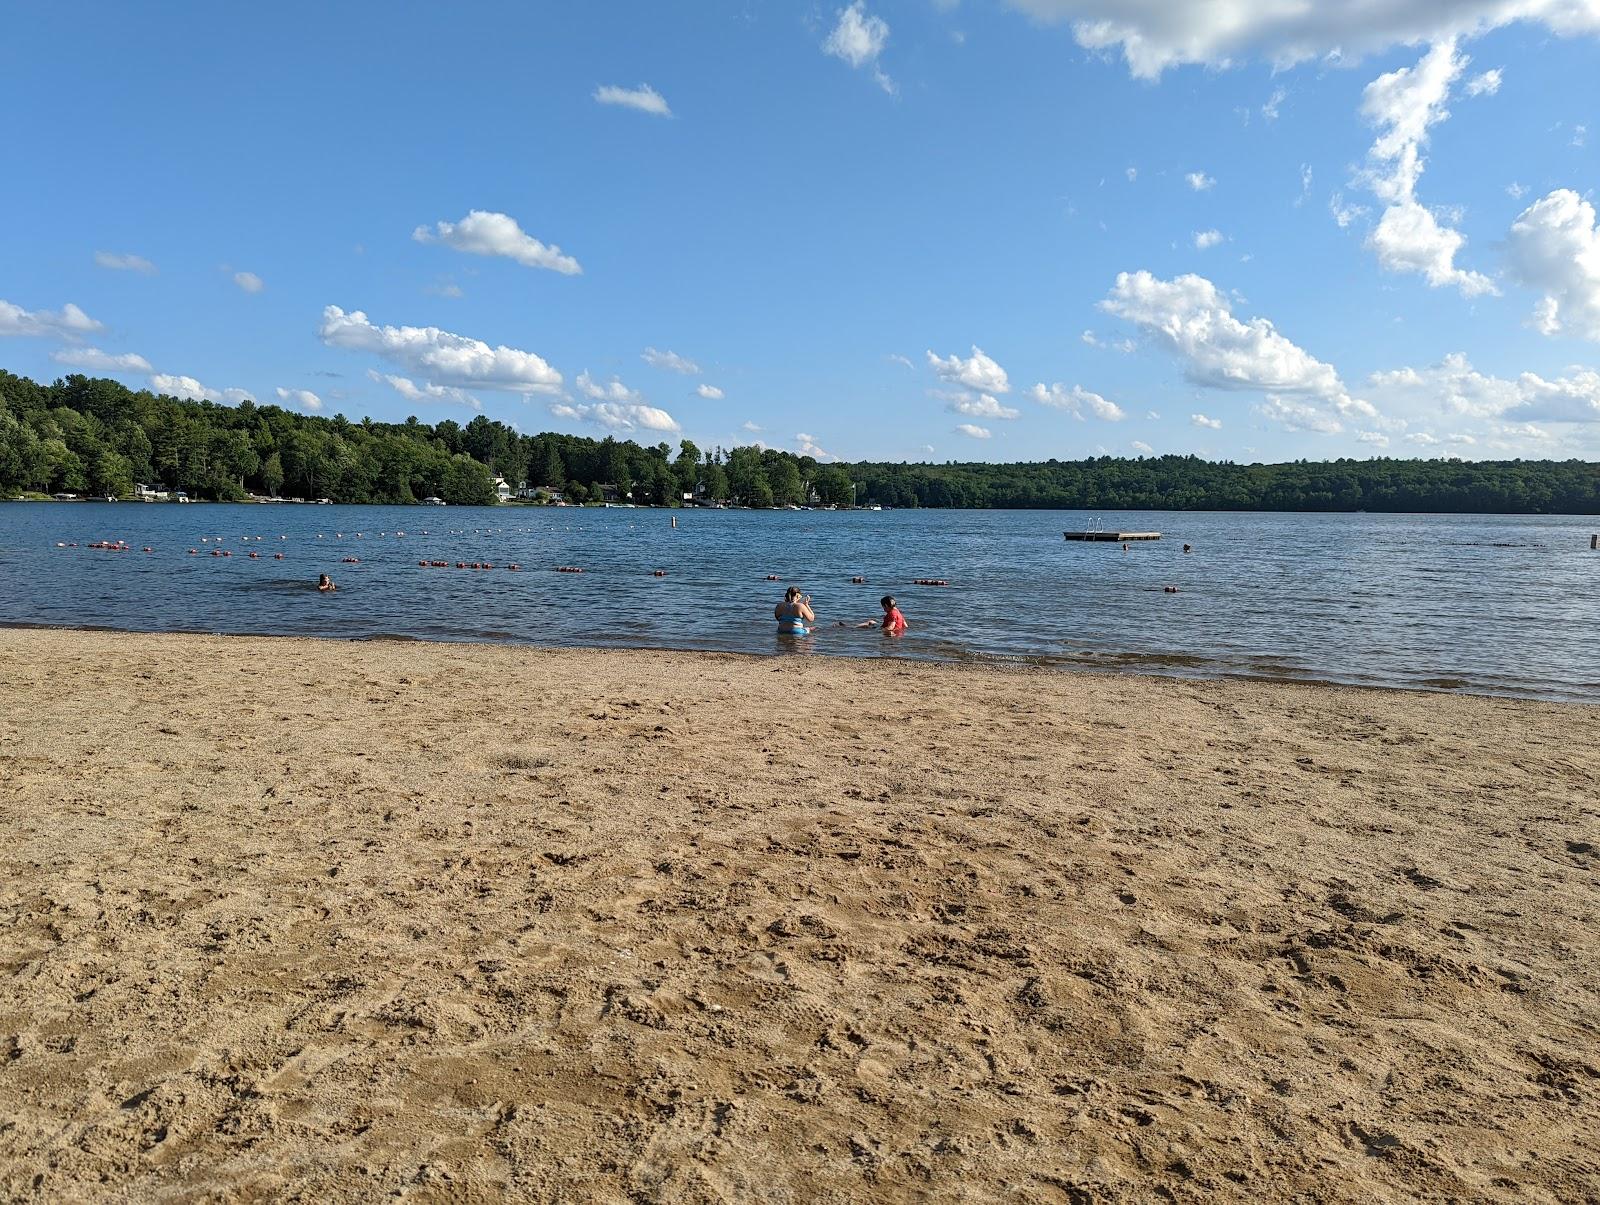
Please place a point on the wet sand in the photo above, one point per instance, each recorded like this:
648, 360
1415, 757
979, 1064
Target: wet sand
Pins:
290, 919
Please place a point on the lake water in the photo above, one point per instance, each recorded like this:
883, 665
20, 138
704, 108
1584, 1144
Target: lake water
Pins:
1487, 603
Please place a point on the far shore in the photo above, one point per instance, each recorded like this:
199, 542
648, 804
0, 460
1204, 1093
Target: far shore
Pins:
344, 920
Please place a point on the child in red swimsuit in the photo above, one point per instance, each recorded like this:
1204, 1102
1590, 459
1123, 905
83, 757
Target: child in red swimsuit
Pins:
894, 623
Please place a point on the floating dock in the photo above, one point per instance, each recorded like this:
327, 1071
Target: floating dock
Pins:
1112, 537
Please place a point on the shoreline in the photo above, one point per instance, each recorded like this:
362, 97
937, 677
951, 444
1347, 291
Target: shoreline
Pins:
1167, 667
343, 919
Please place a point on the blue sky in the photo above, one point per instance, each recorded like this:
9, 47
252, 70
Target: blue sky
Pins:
1173, 228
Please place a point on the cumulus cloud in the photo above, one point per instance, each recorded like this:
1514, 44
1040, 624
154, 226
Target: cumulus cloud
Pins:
1200, 182
122, 262
859, 38
973, 431
1153, 35
671, 361
1453, 388
1142, 448
299, 397
413, 392
439, 356
1486, 84
194, 391
1554, 247
983, 406
979, 374
1094, 340
753, 428
249, 282
1376, 438
806, 445
1206, 238
1294, 415
96, 360
1193, 321
643, 98
67, 323
710, 392
610, 391
1201, 420
617, 416
1409, 237
1076, 400
1344, 214
483, 232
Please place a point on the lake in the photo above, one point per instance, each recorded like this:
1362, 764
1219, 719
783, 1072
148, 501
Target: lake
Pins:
1486, 603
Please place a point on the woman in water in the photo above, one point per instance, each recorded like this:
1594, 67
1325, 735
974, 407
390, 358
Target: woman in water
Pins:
794, 613
325, 584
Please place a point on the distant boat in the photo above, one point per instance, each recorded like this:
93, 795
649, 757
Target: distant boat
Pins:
434, 502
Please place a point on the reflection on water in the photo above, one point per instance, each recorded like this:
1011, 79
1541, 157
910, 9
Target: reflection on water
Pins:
1501, 604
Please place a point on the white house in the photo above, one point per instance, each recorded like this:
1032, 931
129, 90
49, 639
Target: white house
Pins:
502, 489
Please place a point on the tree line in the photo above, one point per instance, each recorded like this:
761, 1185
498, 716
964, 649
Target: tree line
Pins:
95, 436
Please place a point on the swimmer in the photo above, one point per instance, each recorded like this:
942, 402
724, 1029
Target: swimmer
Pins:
893, 623
794, 613
1186, 548
325, 584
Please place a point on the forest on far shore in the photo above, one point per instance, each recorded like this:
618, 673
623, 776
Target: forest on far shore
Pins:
94, 436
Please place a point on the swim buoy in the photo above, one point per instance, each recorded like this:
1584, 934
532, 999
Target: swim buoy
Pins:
277, 556
352, 560
255, 556
422, 564
194, 552
929, 581
226, 553
773, 577
858, 581
147, 550
659, 573
1169, 589
513, 566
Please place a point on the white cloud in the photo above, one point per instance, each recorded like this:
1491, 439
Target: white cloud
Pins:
1200, 182
899, 359
1132, 173
1454, 389
1094, 340
1206, 238
482, 232
1192, 320
249, 282
1422, 439
1486, 84
753, 428
1580, 135
671, 361
67, 323
1295, 415
1201, 420
1270, 108
1554, 247
643, 98
299, 397
439, 356
1376, 438
980, 373
1076, 400
1403, 104
194, 391
450, 290
100, 361
1516, 191
1142, 448
425, 392
612, 391
710, 392
806, 445
1156, 34
973, 431
858, 39
1345, 214
119, 262
983, 406
1305, 185
617, 416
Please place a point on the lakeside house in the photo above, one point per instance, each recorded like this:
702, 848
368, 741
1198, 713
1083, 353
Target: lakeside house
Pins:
502, 489
147, 493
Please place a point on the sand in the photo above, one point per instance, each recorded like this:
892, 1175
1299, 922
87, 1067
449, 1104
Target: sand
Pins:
322, 921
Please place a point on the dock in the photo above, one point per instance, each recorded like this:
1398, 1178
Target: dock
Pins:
1112, 537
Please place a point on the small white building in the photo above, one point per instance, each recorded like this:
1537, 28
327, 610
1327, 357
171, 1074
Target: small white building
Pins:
502, 489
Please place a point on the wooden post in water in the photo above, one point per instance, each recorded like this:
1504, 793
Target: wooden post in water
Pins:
1594, 543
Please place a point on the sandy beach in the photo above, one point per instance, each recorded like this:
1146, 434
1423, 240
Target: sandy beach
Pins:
292, 919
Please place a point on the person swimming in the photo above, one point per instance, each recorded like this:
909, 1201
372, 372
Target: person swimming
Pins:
325, 584
893, 623
794, 613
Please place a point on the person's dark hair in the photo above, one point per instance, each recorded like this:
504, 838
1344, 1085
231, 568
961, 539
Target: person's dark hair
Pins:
792, 593
886, 601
